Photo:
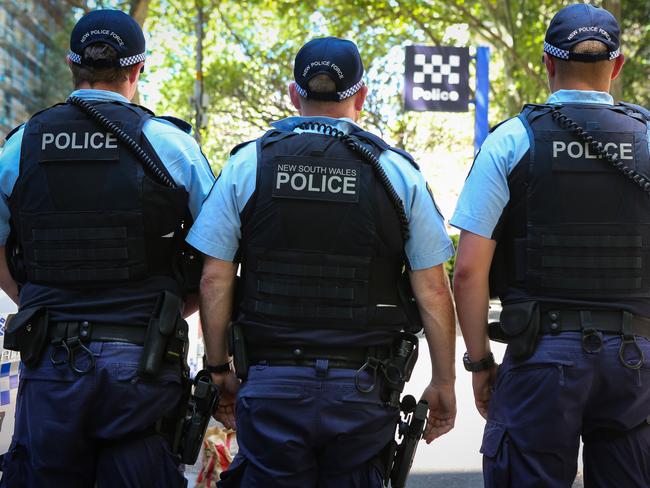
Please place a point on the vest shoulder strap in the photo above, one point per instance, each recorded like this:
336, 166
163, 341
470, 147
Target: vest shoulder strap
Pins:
637, 108
382, 145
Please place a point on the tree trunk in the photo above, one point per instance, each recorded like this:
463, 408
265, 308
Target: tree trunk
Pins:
139, 10
614, 6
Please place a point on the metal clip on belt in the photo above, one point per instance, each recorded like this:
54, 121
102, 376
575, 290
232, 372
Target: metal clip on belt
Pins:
72, 342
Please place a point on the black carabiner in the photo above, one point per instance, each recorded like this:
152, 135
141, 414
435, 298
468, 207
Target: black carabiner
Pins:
56, 346
592, 341
77, 344
371, 363
625, 341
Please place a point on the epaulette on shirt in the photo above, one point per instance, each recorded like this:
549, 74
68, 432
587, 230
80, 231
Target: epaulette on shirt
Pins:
13, 131
239, 146
180, 123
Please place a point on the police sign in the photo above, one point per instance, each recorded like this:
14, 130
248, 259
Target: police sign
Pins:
436, 78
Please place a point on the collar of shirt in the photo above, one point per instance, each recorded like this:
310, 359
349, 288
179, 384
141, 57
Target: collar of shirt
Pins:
580, 96
290, 123
88, 94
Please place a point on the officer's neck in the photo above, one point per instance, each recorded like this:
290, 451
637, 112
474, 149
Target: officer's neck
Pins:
333, 110
600, 84
123, 89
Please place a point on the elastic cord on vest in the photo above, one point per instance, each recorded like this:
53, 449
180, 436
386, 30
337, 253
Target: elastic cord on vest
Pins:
565, 122
124, 138
371, 159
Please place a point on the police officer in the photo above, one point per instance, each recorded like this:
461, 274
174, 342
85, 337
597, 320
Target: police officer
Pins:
554, 220
94, 236
322, 234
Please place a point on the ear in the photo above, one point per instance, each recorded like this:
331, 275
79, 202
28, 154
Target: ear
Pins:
549, 62
360, 98
67, 60
295, 97
134, 73
618, 66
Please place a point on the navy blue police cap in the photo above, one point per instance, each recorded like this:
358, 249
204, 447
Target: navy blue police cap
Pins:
112, 27
582, 22
337, 58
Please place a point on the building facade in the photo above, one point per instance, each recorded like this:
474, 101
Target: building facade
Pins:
30, 40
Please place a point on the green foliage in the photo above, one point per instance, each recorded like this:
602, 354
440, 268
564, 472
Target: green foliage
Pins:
450, 265
249, 48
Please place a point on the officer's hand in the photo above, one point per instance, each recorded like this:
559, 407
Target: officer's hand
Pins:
483, 384
442, 410
228, 384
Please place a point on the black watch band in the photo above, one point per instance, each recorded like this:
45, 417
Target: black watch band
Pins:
486, 363
219, 368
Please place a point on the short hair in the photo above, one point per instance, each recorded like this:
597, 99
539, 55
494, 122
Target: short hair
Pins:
91, 75
321, 84
590, 46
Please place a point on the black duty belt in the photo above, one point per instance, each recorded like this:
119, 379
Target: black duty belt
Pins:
608, 321
344, 358
96, 331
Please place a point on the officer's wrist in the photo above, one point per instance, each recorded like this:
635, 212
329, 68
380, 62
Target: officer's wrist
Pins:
482, 364
219, 368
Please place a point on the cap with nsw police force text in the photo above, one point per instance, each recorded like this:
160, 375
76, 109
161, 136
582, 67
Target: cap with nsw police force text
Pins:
112, 27
337, 58
581, 22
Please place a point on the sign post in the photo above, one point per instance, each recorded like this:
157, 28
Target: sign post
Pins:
482, 96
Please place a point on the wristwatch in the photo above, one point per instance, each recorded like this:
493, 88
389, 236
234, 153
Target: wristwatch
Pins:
220, 368
486, 363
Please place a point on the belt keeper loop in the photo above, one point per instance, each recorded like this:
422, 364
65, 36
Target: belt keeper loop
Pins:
586, 323
626, 325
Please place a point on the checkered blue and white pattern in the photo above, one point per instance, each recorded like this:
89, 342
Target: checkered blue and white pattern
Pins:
562, 54
556, 51
436, 69
9, 372
350, 91
342, 95
615, 54
74, 57
131, 60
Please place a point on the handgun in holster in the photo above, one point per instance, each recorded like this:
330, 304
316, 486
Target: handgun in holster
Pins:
202, 398
166, 337
410, 429
398, 367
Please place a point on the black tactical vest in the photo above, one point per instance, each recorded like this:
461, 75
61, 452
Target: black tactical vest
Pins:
576, 230
84, 212
321, 246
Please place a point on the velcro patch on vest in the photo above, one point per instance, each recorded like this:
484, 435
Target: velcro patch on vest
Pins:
313, 178
77, 140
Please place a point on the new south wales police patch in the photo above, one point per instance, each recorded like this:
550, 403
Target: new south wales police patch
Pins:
312, 178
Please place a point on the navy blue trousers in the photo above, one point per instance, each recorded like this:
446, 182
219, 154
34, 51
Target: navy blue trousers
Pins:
307, 427
543, 405
80, 431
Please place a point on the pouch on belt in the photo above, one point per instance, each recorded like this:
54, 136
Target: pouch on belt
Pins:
518, 326
26, 331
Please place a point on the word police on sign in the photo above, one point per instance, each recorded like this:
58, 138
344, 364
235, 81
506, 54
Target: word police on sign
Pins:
436, 78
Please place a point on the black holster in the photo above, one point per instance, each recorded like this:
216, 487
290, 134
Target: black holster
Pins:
409, 305
237, 349
166, 337
398, 367
518, 326
26, 331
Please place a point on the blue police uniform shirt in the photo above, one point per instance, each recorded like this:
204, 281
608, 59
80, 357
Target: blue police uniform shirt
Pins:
217, 231
486, 193
178, 151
